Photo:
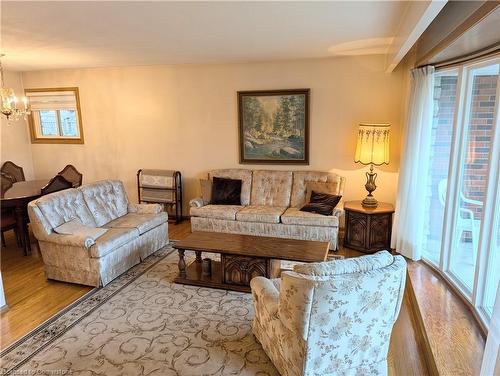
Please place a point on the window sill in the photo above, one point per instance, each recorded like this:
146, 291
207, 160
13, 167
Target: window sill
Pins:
452, 339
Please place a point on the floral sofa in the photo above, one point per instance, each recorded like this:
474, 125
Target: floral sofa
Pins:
270, 203
330, 318
132, 232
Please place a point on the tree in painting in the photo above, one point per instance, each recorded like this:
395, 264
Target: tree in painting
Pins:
274, 127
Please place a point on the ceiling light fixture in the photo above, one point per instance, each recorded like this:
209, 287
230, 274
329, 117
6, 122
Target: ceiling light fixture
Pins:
10, 107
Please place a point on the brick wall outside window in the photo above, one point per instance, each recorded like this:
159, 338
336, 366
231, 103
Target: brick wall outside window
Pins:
479, 140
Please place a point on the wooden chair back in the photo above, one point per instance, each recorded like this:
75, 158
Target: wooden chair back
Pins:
71, 174
7, 182
57, 183
13, 170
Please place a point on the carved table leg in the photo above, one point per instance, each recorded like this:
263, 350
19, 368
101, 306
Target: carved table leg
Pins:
198, 256
182, 264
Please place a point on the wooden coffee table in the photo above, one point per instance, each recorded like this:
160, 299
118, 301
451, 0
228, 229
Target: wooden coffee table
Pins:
242, 257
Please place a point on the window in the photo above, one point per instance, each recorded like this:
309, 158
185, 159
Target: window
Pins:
55, 116
56, 123
445, 87
473, 170
462, 224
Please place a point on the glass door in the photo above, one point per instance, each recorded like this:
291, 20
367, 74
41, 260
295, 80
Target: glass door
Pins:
473, 170
492, 280
445, 90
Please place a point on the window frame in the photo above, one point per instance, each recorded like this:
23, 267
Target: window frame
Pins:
476, 297
38, 138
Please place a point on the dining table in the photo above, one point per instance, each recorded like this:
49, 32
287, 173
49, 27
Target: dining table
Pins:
17, 197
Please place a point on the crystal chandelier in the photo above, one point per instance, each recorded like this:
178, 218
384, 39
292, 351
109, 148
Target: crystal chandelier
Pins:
11, 109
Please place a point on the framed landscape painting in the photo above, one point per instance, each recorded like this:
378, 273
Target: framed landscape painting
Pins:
274, 126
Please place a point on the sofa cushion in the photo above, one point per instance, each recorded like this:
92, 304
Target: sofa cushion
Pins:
142, 222
76, 227
271, 188
111, 240
106, 200
293, 216
299, 185
236, 173
64, 206
227, 212
263, 214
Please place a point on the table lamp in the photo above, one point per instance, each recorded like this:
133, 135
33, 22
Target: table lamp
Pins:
372, 149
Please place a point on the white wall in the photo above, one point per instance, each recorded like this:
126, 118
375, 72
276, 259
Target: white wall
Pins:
15, 142
185, 117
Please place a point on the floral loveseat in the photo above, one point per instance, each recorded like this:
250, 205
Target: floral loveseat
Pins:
132, 232
270, 203
330, 318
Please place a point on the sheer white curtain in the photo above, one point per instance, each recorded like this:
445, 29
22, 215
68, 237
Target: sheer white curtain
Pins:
491, 358
409, 218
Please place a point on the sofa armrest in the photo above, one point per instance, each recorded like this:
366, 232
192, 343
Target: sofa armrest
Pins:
144, 208
338, 211
196, 202
69, 240
265, 295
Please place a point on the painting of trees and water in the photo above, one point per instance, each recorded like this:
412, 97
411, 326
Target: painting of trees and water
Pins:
273, 127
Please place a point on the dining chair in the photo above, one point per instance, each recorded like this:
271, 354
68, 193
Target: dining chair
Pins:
7, 216
71, 174
8, 222
13, 170
57, 183
7, 182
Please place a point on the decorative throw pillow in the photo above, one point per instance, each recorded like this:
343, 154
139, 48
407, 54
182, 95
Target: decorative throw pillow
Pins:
226, 191
325, 198
318, 208
206, 190
322, 187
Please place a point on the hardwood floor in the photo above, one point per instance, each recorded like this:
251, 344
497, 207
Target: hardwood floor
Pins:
32, 299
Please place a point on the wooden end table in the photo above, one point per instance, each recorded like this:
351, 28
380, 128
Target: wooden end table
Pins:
368, 230
242, 257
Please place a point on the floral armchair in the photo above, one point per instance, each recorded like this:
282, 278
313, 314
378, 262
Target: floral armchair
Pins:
330, 318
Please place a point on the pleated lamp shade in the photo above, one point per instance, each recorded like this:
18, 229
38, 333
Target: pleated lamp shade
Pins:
373, 144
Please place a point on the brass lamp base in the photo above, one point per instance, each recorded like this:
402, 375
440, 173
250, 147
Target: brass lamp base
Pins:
370, 201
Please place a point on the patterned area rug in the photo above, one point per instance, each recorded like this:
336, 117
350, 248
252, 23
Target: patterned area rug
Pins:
143, 324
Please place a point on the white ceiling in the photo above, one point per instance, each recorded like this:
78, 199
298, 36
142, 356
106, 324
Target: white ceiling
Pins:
47, 35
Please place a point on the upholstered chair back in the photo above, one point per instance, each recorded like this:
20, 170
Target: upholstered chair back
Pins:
107, 200
52, 210
277, 188
271, 188
343, 313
